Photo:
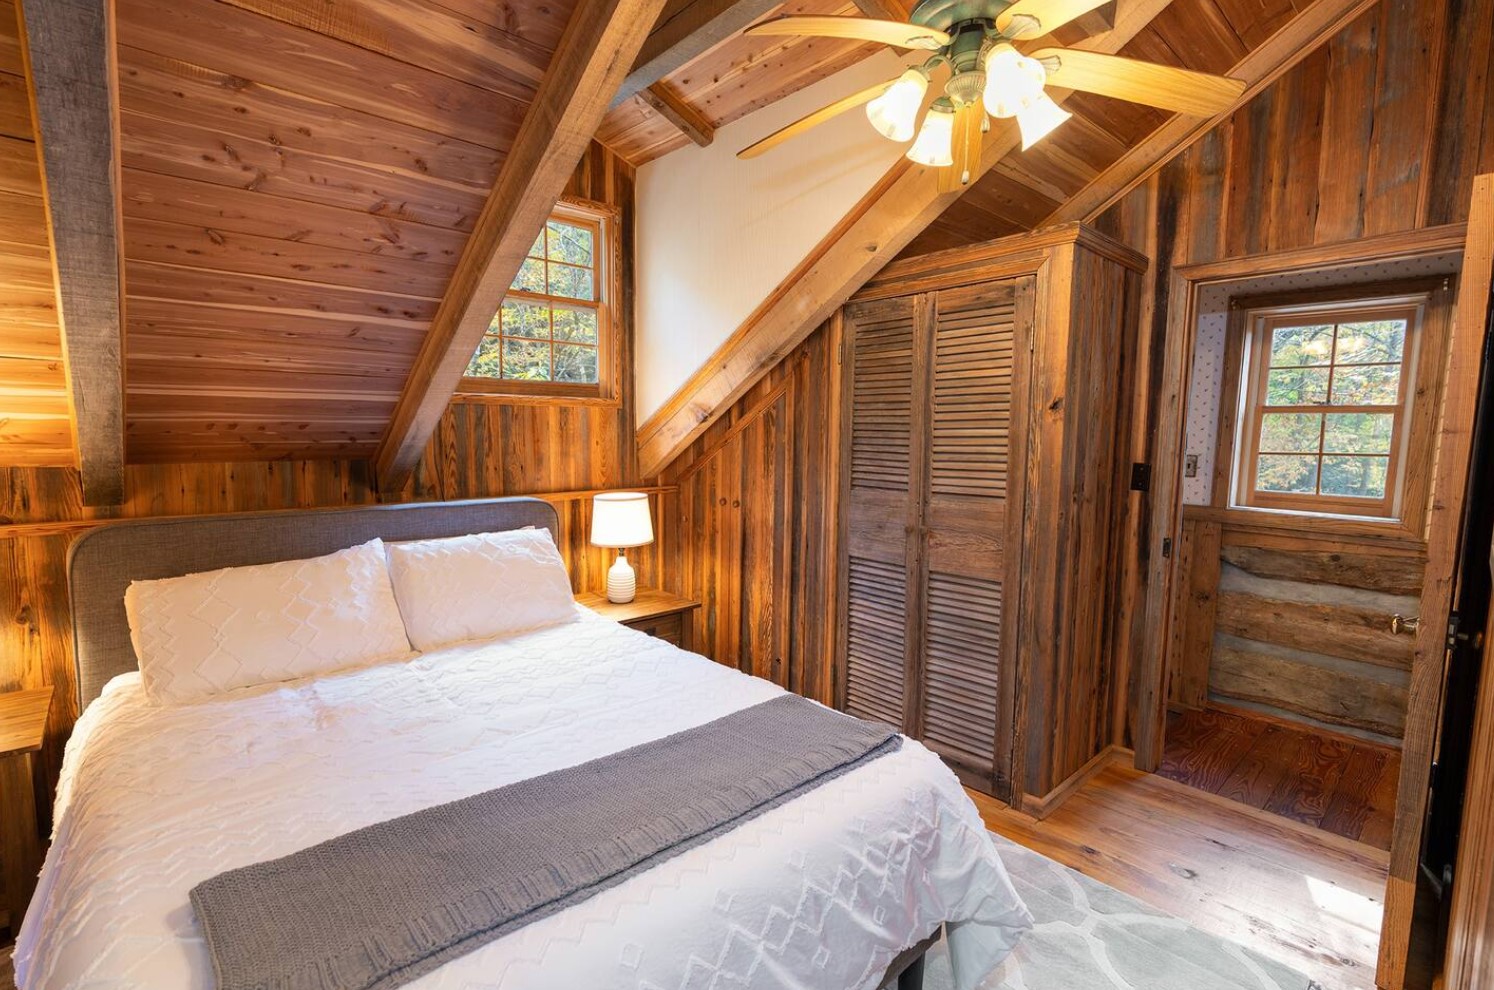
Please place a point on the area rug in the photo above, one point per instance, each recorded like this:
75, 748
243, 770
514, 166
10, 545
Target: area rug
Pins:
1092, 937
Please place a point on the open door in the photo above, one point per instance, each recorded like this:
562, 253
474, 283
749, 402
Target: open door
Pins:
1445, 532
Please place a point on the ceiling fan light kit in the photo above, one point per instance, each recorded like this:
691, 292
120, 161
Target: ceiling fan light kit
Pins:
895, 113
935, 144
989, 75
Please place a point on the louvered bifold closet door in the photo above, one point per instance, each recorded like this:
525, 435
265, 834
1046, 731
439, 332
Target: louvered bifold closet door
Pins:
883, 414
965, 712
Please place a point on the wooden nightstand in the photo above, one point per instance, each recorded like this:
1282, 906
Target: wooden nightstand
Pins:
23, 721
658, 613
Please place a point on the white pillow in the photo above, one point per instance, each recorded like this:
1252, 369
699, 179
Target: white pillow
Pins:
199, 635
480, 586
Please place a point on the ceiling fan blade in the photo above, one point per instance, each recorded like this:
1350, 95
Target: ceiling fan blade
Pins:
1181, 90
812, 120
894, 33
1039, 17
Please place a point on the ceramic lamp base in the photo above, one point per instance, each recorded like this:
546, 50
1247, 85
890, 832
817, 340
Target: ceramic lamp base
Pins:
622, 583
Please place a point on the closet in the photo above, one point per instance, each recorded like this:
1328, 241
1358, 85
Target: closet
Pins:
981, 485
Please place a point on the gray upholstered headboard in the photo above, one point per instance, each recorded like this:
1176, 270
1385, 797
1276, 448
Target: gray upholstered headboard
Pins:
104, 561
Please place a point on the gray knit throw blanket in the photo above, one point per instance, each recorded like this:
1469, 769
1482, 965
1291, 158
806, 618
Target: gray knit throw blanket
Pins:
376, 908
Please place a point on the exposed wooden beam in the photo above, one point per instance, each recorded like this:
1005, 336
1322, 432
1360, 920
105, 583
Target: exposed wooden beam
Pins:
690, 121
685, 31
1306, 33
599, 44
901, 204
69, 57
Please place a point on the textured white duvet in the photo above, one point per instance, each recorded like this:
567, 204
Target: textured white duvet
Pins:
818, 894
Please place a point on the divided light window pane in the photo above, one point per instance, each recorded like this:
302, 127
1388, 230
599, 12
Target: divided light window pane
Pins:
1329, 397
548, 328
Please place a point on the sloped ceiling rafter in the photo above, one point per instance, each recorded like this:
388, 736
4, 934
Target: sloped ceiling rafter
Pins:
905, 213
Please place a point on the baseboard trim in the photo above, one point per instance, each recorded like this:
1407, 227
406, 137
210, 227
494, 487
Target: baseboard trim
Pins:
1042, 807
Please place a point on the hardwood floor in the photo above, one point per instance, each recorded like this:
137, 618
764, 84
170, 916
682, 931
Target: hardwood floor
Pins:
1306, 897
1332, 782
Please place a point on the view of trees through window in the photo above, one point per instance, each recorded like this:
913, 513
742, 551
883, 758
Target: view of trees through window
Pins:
1328, 407
548, 328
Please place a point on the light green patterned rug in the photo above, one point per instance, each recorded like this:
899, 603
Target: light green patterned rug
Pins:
1092, 937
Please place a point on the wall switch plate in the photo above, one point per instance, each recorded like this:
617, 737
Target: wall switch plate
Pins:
1190, 466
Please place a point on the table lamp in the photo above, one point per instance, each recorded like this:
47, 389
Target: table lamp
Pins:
620, 520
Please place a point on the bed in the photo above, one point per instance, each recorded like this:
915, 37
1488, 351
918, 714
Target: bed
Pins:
838, 888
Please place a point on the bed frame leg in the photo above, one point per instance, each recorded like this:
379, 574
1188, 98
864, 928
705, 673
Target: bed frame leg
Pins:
912, 977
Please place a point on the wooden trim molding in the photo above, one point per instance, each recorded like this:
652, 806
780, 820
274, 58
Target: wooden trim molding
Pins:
896, 209
1042, 807
1454, 444
1302, 36
599, 43
68, 50
16, 531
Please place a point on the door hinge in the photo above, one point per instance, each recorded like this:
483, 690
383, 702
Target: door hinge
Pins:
1166, 547
1141, 477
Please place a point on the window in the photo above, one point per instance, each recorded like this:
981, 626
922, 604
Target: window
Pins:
552, 334
1326, 399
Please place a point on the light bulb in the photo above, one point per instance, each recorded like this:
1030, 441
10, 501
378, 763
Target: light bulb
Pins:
895, 111
1039, 119
935, 138
1013, 81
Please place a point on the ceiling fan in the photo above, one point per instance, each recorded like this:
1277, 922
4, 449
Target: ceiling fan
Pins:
976, 40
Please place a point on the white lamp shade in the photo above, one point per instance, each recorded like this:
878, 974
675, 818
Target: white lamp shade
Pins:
621, 519
934, 145
895, 112
1038, 120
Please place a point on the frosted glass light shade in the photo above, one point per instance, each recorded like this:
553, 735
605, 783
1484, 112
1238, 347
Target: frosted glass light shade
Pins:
935, 138
895, 112
621, 519
1014, 82
1038, 120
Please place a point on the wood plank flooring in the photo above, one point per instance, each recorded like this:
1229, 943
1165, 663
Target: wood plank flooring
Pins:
1306, 897
1331, 782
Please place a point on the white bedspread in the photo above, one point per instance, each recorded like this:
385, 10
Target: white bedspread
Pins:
819, 894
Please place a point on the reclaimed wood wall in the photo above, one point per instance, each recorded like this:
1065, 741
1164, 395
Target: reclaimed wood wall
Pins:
482, 448
1380, 131
754, 534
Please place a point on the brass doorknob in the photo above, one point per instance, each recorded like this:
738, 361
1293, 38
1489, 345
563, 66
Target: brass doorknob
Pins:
1407, 624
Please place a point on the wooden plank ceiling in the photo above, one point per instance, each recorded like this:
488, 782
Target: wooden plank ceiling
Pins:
1026, 188
299, 180
729, 81
35, 424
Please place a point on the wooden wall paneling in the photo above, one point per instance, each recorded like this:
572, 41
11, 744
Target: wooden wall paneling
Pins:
69, 55
1193, 629
755, 537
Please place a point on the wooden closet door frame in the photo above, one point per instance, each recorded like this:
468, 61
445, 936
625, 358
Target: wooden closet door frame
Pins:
1028, 271
1445, 501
